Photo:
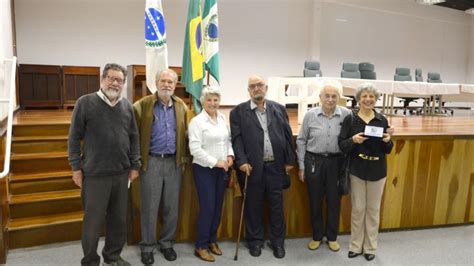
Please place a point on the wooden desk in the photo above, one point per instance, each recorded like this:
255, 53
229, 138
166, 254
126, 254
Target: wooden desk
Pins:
430, 182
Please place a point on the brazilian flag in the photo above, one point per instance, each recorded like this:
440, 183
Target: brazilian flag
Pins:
193, 61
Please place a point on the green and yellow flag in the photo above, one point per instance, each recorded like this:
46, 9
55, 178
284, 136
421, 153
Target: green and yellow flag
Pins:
193, 60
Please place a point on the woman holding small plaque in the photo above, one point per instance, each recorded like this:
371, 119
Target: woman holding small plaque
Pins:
365, 139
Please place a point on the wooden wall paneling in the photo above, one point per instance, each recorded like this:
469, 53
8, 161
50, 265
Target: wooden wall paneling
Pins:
394, 186
40, 85
470, 200
135, 76
78, 81
453, 186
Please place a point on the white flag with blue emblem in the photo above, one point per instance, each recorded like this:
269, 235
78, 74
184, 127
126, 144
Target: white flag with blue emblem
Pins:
155, 42
211, 37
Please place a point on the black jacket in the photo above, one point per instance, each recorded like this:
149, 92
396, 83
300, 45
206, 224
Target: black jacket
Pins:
247, 138
370, 170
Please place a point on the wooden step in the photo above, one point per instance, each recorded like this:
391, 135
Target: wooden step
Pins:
36, 186
38, 129
39, 176
46, 220
44, 203
38, 155
39, 144
39, 138
44, 196
41, 230
35, 163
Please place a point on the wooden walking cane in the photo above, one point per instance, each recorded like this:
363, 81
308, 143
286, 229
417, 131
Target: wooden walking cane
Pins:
241, 218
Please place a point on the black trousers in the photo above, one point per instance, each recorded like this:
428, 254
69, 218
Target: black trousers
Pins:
321, 176
270, 188
104, 198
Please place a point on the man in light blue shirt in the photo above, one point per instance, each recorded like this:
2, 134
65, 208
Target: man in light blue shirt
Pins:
320, 160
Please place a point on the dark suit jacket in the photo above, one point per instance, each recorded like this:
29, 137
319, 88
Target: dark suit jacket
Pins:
247, 138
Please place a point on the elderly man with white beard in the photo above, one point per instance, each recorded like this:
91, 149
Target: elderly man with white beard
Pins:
162, 124
107, 161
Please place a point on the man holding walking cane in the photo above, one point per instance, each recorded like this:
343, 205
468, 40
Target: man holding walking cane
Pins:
263, 149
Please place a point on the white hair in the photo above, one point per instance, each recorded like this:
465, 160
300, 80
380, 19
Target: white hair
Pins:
336, 84
208, 91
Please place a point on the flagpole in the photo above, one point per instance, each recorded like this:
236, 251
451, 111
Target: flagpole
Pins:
207, 83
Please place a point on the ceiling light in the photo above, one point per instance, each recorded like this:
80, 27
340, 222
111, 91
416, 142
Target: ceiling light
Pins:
429, 2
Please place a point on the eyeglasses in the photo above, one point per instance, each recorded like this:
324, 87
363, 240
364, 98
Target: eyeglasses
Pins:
258, 85
112, 79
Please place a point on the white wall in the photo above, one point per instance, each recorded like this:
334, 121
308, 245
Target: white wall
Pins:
470, 69
6, 52
269, 37
395, 33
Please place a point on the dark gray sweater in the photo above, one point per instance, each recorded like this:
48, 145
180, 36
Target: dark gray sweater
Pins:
110, 136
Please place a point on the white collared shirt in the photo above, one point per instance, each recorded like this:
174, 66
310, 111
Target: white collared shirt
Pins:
106, 100
209, 141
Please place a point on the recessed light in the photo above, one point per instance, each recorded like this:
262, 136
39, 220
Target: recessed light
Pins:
429, 2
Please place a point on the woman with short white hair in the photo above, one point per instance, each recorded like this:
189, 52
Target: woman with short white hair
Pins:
211, 148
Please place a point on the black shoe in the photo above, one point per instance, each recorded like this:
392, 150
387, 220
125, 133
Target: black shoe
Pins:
119, 262
353, 254
147, 258
278, 251
169, 253
255, 251
369, 257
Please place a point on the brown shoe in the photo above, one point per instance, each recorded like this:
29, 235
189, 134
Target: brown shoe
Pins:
204, 254
215, 249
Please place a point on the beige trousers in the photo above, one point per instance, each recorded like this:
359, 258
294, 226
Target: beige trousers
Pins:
366, 197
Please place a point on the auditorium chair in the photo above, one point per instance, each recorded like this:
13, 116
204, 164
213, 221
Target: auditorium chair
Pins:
312, 69
418, 75
403, 74
434, 77
426, 102
350, 71
367, 71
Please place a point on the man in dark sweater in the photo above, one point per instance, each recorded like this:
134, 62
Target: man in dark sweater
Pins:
108, 161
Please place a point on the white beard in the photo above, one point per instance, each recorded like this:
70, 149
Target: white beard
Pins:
113, 95
165, 93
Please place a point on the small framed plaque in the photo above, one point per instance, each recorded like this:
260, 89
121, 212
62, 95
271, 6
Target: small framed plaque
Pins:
373, 132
